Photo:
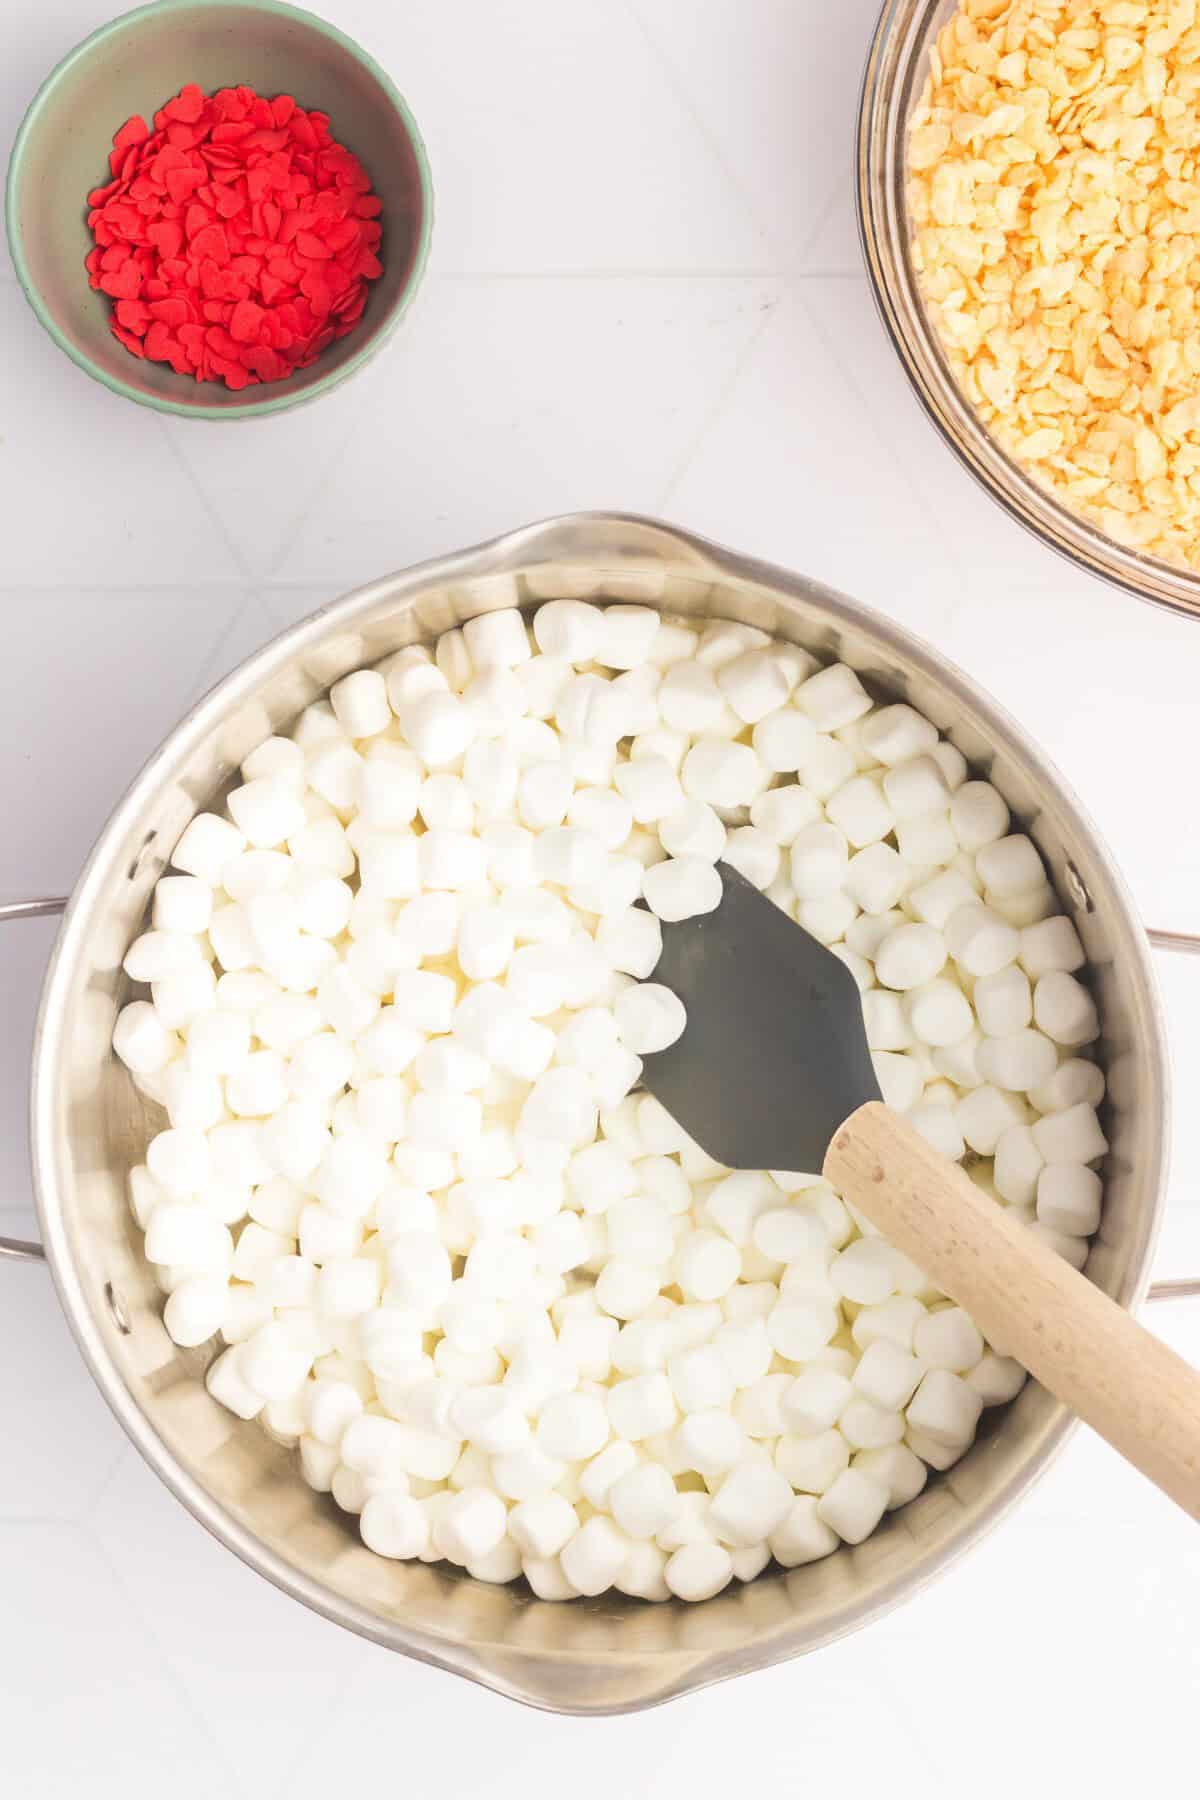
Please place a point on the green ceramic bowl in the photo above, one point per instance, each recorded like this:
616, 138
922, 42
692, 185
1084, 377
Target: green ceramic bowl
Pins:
133, 66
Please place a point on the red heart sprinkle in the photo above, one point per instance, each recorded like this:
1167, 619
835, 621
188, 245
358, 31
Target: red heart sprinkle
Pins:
236, 239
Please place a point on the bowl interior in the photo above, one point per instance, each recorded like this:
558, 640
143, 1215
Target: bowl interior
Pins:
136, 64
90, 1126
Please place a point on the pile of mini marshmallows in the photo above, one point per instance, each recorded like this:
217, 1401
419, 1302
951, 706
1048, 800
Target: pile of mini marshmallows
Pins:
511, 1315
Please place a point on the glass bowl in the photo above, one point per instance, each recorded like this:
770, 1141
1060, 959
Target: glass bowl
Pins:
895, 75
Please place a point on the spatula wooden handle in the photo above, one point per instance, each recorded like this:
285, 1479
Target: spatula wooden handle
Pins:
1030, 1304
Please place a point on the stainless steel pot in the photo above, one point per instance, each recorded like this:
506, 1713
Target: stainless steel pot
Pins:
89, 1126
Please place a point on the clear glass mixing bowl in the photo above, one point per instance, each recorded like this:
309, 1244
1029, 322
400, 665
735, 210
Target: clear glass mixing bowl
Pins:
895, 74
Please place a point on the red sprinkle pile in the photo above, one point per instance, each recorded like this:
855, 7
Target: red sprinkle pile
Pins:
237, 238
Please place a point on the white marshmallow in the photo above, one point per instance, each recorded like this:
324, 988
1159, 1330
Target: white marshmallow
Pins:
142, 1041
860, 810
497, 640
915, 789
938, 1012
980, 941
1069, 1199
1073, 1136
1003, 1001
833, 697
944, 1409
1018, 1164
1049, 945
876, 877
819, 860
978, 814
1065, 1011
209, 843
1019, 1061
802, 1536
853, 1506
723, 773
649, 1017
1072, 1082
627, 637
693, 829
984, 1114
754, 684
751, 1503
896, 735
681, 888
910, 956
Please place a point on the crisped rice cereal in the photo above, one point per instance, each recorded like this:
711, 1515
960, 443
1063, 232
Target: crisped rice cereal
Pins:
1055, 204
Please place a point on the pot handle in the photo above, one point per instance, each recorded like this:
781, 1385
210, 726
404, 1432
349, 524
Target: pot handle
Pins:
25, 1250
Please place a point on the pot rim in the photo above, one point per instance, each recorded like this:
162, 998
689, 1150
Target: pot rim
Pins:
552, 540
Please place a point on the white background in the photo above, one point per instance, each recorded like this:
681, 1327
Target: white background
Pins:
645, 293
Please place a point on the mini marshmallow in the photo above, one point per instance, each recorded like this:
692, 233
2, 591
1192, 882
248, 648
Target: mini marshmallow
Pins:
802, 1536
938, 1013
979, 815
1065, 1011
698, 1571
497, 640
208, 845
984, 1114
785, 741
360, 703
815, 1401
910, 956
693, 829
896, 735
819, 860
1010, 867
1018, 1164
631, 941
723, 773
627, 637
649, 1017
899, 1079
1051, 945
1072, 1082
754, 684
980, 941
682, 888
570, 629
1018, 1061
1069, 1199
1003, 1001
853, 1506
706, 1265
1073, 1136
876, 877
750, 1504
916, 788
141, 1040
784, 812
833, 697
888, 1376
182, 903
595, 1556
944, 1409
860, 811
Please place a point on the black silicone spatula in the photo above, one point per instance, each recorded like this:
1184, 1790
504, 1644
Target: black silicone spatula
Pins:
773, 1072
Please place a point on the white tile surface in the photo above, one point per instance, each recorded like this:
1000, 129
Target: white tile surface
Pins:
645, 294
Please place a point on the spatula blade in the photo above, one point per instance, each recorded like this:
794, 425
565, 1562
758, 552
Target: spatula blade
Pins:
774, 1057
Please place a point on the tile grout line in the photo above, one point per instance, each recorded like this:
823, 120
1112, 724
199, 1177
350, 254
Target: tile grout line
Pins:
206, 505
684, 100
719, 402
